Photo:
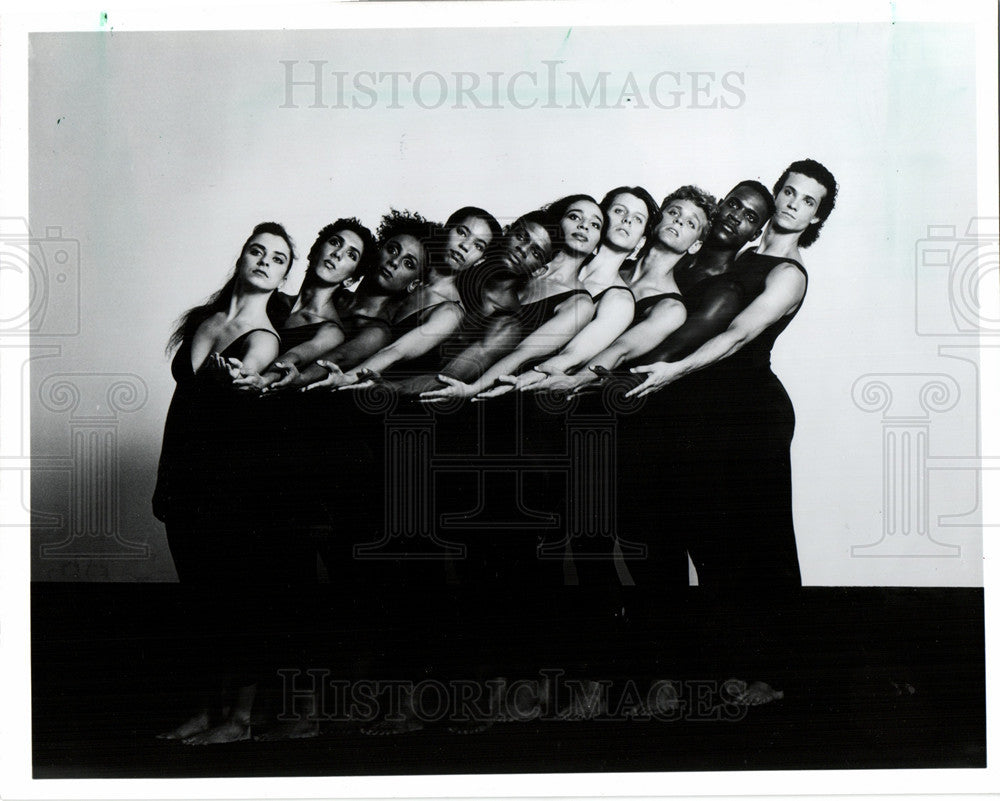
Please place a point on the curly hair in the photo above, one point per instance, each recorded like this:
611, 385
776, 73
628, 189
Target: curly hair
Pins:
408, 223
702, 199
812, 169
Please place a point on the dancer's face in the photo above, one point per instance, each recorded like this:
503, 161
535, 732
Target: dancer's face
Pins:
400, 262
264, 262
467, 242
527, 247
741, 216
581, 227
682, 226
339, 257
797, 203
627, 218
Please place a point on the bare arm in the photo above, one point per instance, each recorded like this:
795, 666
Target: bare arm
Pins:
784, 289
663, 319
367, 341
712, 316
261, 348
613, 314
441, 324
572, 315
327, 337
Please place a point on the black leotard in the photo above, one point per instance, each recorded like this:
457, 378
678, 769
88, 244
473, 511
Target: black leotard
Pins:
603, 292
201, 479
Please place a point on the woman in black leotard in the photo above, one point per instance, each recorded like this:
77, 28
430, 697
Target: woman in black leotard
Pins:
554, 304
631, 214
434, 312
309, 323
204, 485
686, 216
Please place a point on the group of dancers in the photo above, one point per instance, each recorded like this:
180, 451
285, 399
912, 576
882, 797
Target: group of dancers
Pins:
273, 470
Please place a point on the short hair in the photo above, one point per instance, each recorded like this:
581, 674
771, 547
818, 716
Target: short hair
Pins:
702, 199
653, 214
352, 224
812, 169
761, 190
466, 212
557, 210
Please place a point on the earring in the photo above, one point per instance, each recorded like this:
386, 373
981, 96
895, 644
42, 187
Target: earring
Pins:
412, 286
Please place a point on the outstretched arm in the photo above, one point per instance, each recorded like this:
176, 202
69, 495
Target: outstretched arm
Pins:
710, 317
441, 324
612, 315
367, 341
572, 315
783, 291
663, 319
283, 372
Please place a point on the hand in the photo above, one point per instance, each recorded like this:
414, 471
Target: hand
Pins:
560, 382
289, 376
245, 380
530, 379
658, 375
503, 385
453, 389
335, 378
365, 379
217, 368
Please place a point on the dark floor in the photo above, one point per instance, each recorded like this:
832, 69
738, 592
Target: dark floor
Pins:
874, 678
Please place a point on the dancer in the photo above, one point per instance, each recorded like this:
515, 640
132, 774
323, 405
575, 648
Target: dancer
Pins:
659, 308
742, 539
310, 324
631, 213
202, 492
432, 314
554, 304
751, 411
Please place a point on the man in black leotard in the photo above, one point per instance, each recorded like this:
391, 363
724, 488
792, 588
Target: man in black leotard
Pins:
739, 529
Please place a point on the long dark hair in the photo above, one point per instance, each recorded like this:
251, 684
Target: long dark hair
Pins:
188, 322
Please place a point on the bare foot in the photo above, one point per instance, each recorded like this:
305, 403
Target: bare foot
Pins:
231, 731
196, 724
303, 729
753, 694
